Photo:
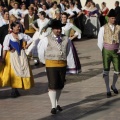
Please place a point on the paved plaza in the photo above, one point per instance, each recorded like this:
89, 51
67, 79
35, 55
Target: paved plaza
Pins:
83, 98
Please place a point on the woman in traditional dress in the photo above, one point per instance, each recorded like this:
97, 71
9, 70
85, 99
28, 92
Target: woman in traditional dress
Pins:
78, 4
52, 10
44, 8
39, 34
103, 14
24, 12
91, 22
41, 21
69, 11
16, 71
78, 16
77, 34
4, 26
16, 11
94, 14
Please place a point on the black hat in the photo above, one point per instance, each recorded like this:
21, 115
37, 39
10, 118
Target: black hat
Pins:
56, 24
112, 13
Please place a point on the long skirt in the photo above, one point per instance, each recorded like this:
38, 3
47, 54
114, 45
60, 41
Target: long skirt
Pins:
91, 26
9, 78
75, 62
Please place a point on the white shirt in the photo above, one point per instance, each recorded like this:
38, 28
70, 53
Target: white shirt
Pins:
68, 26
24, 12
42, 23
52, 13
15, 12
69, 11
76, 10
2, 22
1, 16
43, 47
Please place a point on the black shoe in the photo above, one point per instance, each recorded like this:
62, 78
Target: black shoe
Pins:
36, 63
109, 94
53, 111
59, 108
114, 90
15, 93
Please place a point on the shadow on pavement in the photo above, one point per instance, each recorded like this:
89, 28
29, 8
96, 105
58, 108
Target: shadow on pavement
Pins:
77, 111
92, 63
38, 89
41, 74
85, 57
84, 75
41, 88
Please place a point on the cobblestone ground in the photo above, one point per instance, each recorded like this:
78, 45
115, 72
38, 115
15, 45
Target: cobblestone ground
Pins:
83, 98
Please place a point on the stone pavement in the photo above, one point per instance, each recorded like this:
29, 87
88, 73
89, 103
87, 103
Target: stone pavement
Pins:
83, 98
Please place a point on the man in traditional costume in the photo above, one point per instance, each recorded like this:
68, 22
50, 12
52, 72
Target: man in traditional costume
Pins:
54, 52
108, 42
29, 18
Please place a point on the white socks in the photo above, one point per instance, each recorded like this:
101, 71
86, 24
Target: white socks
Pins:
106, 79
54, 97
115, 78
58, 96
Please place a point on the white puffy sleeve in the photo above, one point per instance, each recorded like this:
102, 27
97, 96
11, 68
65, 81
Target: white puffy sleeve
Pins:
77, 10
50, 14
69, 11
6, 42
42, 46
100, 38
10, 12
77, 31
26, 38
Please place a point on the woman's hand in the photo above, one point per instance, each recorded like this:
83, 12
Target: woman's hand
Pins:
12, 50
71, 38
26, 47
37, 29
